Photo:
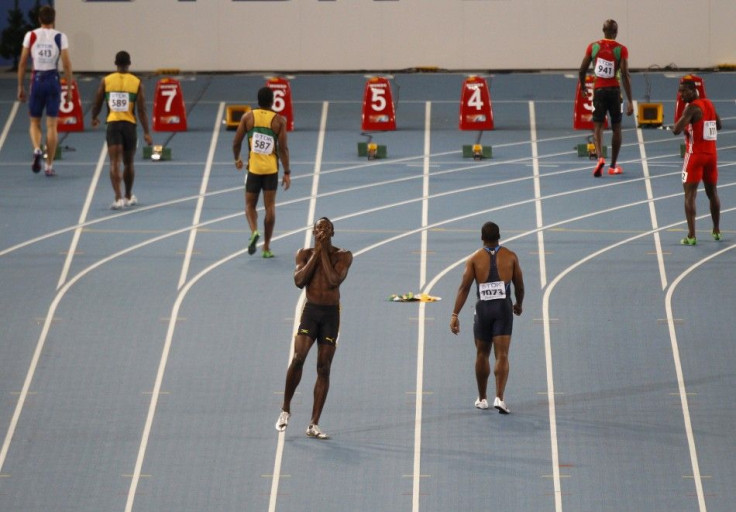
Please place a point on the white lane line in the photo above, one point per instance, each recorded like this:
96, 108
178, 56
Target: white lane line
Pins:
9, 123
652, 207
278, 459
537, 194
82, 217
697, 477
419, 386
200, 201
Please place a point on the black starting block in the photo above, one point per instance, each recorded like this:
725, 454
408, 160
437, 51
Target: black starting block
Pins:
372, 150
156, 153
477, 151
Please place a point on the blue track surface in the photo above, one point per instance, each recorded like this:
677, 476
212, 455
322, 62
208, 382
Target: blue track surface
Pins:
143, 353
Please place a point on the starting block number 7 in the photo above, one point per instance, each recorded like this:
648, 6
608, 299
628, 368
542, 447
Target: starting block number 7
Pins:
168, 92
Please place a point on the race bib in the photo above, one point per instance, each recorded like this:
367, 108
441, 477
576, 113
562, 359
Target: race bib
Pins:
710, 131
45, 54
262, 144
118, 101
492, 291
604, 68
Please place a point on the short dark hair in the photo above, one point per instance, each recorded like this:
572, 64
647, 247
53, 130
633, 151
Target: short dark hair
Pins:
326, 219
46, 15
490, 232
122, 58
265, 97
690, 84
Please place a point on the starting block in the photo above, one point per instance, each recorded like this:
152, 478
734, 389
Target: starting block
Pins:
71, 118
379, 113
477, 151
169, 113
372, 150
282, 99
156, 153
233, 113
588, 150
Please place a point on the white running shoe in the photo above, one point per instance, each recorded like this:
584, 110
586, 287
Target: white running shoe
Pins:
481, 404
118, 204
314, 431
283, 421
501, 406
132, 201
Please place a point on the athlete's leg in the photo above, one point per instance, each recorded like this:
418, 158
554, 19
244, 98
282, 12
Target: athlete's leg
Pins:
325, 353
501, 369
482, 367
302, 344
115, 153
598, 139
269, 221
35, 132
251, 200
52, 140
691, 191
715, 205
615, 143
128, 171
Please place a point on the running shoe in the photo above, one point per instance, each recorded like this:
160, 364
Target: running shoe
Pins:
716, 236
37, 157
599, 168
315, 432
283, 421
688, 241
252, 242
615, 170
131, 202
481, 404
50, 172
501, 406
267, 253
118, 204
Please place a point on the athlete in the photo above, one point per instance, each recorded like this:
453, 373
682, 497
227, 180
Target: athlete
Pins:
700, 123
610, 61
320, 270
267, 143
45, 45
123, 93
493, 268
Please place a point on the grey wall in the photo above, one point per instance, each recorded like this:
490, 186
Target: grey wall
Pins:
342, 35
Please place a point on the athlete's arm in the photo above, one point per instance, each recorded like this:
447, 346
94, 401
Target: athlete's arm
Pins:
279, 127
238, 139
66, 61
143, 114
462, 293
582, 72
97, 103
518, 279
691, 114
22, 73
626, 82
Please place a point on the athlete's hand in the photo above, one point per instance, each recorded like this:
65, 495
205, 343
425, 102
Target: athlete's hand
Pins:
454, 324
517, 309
286, 181
629, 108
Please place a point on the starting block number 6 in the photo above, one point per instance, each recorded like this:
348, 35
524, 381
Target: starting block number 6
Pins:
279, 101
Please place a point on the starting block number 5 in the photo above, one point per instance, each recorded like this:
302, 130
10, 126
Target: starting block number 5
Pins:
378, 99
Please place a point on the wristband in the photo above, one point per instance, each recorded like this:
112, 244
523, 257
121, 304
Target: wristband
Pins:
287, 172
454, 314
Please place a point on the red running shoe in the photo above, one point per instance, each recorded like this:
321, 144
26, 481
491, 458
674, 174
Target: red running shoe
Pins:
599, 168
615, 170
